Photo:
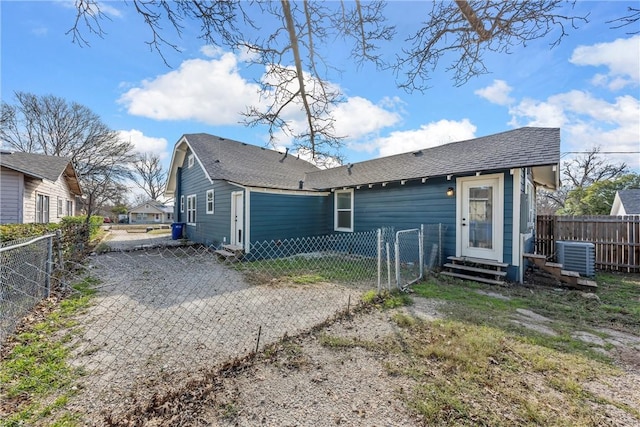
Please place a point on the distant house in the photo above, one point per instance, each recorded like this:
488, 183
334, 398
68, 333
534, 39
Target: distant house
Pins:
482, 190
626, 202
36, 188
151, 212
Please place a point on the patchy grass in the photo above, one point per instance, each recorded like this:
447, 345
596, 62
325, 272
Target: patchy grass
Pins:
467, 374
386, 300
616, 306
35, 378
320, 269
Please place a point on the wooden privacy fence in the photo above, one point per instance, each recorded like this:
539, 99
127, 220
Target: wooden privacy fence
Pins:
616, 238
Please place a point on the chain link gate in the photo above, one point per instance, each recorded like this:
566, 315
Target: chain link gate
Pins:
403, 255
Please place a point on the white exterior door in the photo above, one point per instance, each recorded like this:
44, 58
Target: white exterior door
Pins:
480, 216
237, 218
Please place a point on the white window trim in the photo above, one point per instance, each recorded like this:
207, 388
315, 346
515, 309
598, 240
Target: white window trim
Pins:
182, 204
335, 210
43, 210
195, 209
190, 161
210, 202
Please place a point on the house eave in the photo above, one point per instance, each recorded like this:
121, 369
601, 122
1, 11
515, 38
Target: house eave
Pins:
545, 175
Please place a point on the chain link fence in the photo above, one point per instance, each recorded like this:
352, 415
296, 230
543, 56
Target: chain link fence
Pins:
25, 271
167, 316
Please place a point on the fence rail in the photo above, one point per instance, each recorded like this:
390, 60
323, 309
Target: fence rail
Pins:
616, 238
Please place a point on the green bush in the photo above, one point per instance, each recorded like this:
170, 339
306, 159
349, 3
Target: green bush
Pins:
67, 225
76, 222
10, 232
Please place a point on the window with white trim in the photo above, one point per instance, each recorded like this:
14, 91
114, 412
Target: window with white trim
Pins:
190, 161
209, 201
343, 202
181, 203
59, 207
191, 209
69, 208
42, 209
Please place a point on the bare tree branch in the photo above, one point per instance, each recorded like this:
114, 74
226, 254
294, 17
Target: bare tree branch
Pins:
577, 175
630, 19
149, 175
53, 126
465, 31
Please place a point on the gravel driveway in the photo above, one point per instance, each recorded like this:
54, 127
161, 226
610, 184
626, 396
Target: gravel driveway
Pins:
165, 316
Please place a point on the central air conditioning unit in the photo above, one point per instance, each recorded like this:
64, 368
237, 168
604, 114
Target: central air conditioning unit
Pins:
577, 256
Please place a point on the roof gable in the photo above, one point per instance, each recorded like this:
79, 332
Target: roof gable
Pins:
41, 166
524, 147
630, 199
240, 163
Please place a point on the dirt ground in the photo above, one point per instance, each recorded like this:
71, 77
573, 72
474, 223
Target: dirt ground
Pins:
169, 340
308, 384
165, 317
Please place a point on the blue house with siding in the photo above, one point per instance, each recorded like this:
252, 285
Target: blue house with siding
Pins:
483, 190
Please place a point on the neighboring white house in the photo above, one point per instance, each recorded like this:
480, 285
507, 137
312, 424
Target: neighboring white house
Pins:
626, 202
151, 212
36, 188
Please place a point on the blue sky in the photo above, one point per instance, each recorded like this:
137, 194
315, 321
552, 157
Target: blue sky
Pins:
588, 85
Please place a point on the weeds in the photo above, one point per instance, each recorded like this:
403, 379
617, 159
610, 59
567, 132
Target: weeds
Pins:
569, 310
35, 375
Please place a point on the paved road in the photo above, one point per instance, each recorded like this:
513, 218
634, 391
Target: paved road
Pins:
125, 240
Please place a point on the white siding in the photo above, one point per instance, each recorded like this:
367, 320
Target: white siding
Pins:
54, 190
11, 183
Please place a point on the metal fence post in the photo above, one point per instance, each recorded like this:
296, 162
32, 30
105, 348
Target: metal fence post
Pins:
388, 267
59, 241
439, 244
397, 255
47, 279
421, 250
379, 259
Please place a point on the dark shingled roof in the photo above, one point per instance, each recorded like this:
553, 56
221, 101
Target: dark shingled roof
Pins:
35, 165
630, 200
524, 147
248, 164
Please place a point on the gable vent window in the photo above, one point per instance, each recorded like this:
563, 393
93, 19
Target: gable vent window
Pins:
190, 160
343, 220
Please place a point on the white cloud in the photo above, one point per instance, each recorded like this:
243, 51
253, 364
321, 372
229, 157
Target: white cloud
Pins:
323, 162
212, 91
621, 57
145, 144
209, 91
429, 135
497, 93
104, 6
587, 121
107, 8
358, 116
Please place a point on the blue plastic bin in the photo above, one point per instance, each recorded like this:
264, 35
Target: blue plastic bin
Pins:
177, 228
